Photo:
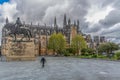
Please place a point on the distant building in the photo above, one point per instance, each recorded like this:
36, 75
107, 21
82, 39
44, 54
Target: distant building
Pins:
97, 40
102, 39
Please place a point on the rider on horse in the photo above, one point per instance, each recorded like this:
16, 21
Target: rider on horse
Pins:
17, 29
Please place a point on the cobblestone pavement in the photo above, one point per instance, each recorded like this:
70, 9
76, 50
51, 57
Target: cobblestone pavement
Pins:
61, 68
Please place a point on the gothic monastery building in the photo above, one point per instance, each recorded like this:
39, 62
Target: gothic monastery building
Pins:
41, 34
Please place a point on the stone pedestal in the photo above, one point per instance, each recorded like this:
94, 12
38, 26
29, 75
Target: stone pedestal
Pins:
20, 51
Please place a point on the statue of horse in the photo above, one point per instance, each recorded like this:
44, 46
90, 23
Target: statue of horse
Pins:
15, 30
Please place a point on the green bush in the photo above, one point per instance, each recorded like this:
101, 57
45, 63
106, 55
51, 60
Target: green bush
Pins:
71, 51
84, 50
66, 53
94, 56
90, 51
117, 55
85, 54
101, 56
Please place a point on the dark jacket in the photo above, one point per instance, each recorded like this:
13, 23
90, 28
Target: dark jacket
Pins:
43, 60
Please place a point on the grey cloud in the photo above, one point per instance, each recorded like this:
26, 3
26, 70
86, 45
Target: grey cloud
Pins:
117, 4
94, 28
2, 20
109, 25
111, 19
44, 11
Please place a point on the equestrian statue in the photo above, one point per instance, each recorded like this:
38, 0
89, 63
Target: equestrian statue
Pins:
18, 29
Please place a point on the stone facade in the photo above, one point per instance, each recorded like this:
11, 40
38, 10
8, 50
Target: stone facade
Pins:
41, 34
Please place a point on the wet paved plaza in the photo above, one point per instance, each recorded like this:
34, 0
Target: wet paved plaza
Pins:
61, 68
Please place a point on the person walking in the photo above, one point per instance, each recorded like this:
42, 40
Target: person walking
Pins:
43, 60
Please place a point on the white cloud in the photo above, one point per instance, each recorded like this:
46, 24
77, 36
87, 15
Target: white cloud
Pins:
96, 13
8, 10
56, 10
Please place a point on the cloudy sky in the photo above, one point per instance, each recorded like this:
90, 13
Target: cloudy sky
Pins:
97, 17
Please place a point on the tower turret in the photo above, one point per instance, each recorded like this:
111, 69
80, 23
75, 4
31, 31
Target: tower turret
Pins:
55, 22
69, 22
55, 25
64, 21
77, 26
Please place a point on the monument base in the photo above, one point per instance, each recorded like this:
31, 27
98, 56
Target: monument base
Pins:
21, 51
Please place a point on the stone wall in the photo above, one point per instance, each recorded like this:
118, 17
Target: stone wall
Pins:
19, 50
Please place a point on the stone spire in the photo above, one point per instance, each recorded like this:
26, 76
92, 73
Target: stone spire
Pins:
78, 26
55, 25
7, 21
55, 22
78, 23
64, 21
69, 22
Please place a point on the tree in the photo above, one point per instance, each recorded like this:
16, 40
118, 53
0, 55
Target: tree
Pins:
78, 43
113, 46
61, 43
103, 48
108, 47
52, 42
57, 42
